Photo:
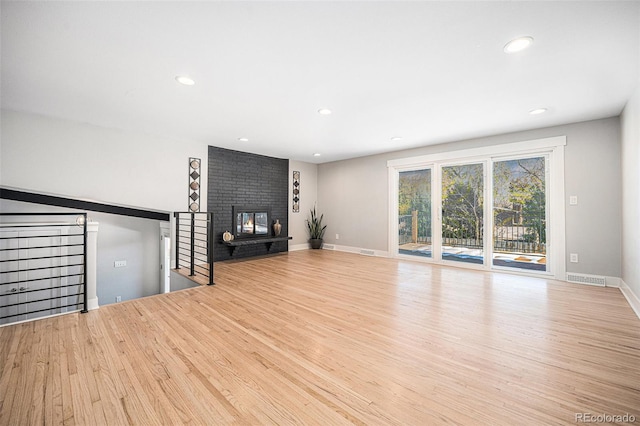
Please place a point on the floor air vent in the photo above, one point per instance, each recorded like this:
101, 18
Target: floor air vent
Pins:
587, 279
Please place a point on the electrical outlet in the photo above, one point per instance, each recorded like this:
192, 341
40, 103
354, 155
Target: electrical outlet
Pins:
337, 236
119, 263
118, 299
573, 200
573, 257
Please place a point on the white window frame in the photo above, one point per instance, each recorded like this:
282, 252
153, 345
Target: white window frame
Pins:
549, 247
552, 147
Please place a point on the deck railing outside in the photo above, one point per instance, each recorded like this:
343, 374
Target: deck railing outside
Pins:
507, 239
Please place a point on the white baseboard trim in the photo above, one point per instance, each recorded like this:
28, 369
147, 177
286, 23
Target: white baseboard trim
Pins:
613, 282
297, 247
92, 304
357, 250
632, 298
346, 249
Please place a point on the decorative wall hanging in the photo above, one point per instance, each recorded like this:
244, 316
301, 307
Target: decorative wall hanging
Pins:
296, 191
194, 184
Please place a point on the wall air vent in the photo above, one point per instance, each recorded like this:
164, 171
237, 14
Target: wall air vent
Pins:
328, 247
367, 252
586, 279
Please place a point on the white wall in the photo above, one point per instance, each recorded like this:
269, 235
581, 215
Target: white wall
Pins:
630, 124
308, 198
84, 161
353, 193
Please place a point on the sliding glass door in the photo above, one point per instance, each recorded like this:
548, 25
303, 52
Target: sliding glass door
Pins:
520, 200
490, 211
463, 213
414, 213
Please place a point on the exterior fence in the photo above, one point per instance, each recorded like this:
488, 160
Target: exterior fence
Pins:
507, 239
408, 230
513, 238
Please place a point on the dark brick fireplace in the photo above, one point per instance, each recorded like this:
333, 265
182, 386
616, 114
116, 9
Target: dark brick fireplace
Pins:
241, 179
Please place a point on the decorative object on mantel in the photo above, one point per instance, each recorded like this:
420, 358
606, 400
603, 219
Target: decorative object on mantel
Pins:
227, 236
277, 228
194, 184
316, 230
296, 191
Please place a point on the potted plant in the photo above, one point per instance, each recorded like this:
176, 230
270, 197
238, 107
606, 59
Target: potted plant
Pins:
316, 230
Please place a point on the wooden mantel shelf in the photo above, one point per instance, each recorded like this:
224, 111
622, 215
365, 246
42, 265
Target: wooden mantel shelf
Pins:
234, 244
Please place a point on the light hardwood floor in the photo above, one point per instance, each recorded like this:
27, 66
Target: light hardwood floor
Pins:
328, 338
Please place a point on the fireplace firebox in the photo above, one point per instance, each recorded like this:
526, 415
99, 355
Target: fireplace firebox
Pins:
251, 222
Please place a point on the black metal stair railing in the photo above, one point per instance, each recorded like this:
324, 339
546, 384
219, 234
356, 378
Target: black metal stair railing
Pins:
43, 265
194, 243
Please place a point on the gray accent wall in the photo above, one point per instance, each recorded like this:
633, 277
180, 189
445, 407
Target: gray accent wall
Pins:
353, 194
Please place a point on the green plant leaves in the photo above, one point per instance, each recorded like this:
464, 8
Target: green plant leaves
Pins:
314, 225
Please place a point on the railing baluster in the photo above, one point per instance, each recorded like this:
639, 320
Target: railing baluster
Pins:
177, 216
84, 278
210, 246
190, 252
42, 263
192, 245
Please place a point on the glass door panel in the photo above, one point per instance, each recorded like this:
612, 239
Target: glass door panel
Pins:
414, 213
519, 214
462, 213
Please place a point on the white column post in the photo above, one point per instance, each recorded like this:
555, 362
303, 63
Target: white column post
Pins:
165, 257
92, 256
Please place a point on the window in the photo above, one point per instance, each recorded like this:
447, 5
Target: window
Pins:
490, 207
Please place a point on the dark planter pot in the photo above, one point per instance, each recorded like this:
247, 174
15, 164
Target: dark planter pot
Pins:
316, 243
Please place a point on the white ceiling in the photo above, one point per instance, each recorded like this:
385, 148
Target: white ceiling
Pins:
430, 72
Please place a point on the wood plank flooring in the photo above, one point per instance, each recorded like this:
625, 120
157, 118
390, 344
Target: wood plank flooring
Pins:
326, 338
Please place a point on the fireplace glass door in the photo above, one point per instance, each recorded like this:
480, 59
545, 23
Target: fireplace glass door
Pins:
251, 222
261, 227
245, 223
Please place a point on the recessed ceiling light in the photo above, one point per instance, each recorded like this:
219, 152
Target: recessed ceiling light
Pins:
187, 81
317, 154
538, 111
243, 139
324, 111
518, 44
396, 138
